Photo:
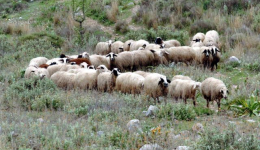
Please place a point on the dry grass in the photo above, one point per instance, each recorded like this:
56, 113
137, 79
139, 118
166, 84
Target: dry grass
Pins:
113, 12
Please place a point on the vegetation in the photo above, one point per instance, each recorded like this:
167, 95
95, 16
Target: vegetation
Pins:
36, 114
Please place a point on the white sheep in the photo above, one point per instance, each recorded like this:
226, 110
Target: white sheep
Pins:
211, 38
183, 54
129, 83
38, 61
202, 56
181, 77
117, 47
156, 85
171, 43
122, 61
158, 57
88, 79
106, 80
198, 37
35, 71
97, 60
127, 45
213, 89
184, 89
64, 79
153, 46
54, 68
142, 58
142, 73
136, 44
103, 48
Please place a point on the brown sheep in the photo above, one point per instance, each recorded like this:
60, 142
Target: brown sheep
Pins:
80, 60
213, 89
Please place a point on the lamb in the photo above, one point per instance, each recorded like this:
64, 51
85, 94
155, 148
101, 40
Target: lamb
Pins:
179, 54
80, 60
106, 80
122, 61
211, 38
64, 79
136, 44
181, 77
213, 89
117, 47
103, 48
38, 61
88, 79
129, 83
127, 44
156, 85
171, 43
97, 60
184, 89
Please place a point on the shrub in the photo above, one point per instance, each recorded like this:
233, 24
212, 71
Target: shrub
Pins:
165, 111
255, 66
121, 26
112, 13
184, 112
202, 26
200, 111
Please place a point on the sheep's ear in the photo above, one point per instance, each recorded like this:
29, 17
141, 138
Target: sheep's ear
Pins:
153, 51
108, 55
80, 56
121, 49
161, 81
129, 44
221, 91
144, 46
205, 51
115, 55
169, 81
227, 91
217, 50
62, 60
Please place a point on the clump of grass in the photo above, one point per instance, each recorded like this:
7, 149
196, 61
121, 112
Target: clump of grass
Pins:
112, 13
121, 26
201, 26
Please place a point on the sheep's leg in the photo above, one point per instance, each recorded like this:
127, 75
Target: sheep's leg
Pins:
218, 102
185, 101
208, 103
194, 101
165, 100
158, 100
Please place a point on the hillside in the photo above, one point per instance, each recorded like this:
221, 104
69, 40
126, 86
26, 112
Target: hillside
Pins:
36, 114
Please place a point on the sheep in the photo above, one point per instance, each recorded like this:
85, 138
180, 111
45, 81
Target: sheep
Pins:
97, 60
171, 43
57, 61
29, 71
184, 89
142, 58
152, 46
156, 85
179, 54
35, 71
64, 79
215, 52
136, 44
197, 44
142, 73
46, 65
181, 77
198, 37
68, 67
80, 60
54, 68
106, 80
203, 56
127, 44
122, 61
211, 38
103, 48
158, 57
88, 79
129, 83
117, 47
38, 61
213, 89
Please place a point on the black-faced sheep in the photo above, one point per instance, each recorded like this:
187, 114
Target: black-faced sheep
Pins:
203, 56
103, 48
171, 43
106, 81
117, 47
38, 61
88, 79
127, 45
215, 52
129, 83
213, 89
97, 60
181, 77
156, 85
211, 38
198, 37
64, 79
184, 89
122, 61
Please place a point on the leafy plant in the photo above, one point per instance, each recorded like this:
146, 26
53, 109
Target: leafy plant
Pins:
249, 106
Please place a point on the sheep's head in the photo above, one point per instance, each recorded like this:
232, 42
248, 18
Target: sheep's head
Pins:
91, 67
102, 68
80, 56
63, 56
158, 40
112, 56
224, 92
85, 55
214, 51
116, 71
121, 49
164, 53
144, 46
38, 73
196, 85
64, 60
164, 82
206, 52
84, 65
196, 40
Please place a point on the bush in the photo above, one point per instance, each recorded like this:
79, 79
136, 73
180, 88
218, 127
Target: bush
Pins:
202, 26
184, 112
165, 111
121, 26
200, 111
32, 94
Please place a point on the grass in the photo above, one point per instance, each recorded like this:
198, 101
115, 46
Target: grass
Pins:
73, 119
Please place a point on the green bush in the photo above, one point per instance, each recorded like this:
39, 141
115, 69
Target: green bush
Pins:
121, 26
200, 111
184, 112
254, 66
166, 111
202, 26
215, 139
32, 94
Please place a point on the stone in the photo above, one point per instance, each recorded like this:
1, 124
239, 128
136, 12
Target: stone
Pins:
134, 126
107, 7
152, 110
151, 147
198, 127
182, 148
100, 133
233, 59
251, 121
40, 120
131, 4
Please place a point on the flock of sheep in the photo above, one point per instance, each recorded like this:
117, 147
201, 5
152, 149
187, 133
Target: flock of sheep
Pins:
102, 71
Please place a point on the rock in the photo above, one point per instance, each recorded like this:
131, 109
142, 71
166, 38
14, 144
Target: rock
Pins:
137, 1
185, 133
233, 59
151, 147
251, 121
100, 133
107, 7
152, 110
182, 148
131, 4
40, 120
198, 127
134, 126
